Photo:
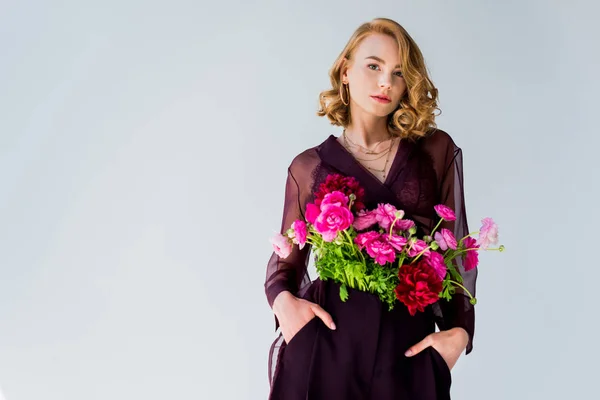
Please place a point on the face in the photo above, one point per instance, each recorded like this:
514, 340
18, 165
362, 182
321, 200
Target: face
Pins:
375, 71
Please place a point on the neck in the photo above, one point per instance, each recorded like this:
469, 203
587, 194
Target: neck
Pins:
367, 137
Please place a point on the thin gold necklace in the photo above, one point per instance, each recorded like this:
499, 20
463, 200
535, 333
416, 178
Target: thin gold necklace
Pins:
386, 159
373, 159
384, 152
386, 162
365, 150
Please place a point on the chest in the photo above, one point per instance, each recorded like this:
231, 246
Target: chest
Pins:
415, 189
379, 164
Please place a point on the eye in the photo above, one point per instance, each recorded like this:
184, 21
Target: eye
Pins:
399, 73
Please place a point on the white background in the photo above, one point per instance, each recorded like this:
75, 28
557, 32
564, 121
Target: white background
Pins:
143, 154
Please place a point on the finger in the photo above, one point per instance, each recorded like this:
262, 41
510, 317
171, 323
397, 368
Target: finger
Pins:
419, 347
324, 315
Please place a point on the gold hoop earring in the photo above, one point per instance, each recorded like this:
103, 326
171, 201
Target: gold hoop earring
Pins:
342, 97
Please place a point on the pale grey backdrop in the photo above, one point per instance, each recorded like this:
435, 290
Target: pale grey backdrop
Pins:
143, 153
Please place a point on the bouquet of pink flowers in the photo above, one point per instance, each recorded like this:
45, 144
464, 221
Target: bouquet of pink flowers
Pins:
377, 250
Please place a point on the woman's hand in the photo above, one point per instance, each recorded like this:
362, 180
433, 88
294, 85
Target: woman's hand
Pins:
294, 312
450, 344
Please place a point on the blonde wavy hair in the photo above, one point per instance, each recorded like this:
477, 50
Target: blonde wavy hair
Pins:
415, 114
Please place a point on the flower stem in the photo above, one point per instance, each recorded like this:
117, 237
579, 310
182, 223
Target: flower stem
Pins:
465, 289
435, 227
349, 241
457, 252
469, 234
354, 248
392, 225
421, 253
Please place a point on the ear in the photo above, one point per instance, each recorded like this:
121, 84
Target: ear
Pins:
344, 71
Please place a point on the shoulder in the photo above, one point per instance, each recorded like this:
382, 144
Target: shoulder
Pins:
438, 137
439, 142
305, 160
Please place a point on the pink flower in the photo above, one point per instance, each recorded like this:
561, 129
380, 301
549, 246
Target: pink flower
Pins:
418, 246
312, 212
362, 239
345, 184
404, 224
364, 219
338, 198
281, 245
377, 246
398, 242
333, 218
299, 233
381, 250
436, 261
445, 239
471, 257
445, 212
488, 233
385, 214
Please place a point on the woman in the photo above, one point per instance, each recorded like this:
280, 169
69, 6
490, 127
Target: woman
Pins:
358, 349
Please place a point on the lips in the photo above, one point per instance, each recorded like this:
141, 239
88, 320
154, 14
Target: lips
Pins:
381, 99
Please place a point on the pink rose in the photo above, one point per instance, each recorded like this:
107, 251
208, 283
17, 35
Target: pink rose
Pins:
362, 239
281, 245
364, 219
436, 261
445, 239
445, 212
336, 198
333, 218
397, 242
471, 257
381, 250
385, 214
404, 224
299, 233
488, 234
418, 246
312, 212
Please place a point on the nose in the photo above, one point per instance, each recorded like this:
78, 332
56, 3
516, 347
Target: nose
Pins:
384, 82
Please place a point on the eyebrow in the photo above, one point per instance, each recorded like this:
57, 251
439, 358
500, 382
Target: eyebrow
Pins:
380, 60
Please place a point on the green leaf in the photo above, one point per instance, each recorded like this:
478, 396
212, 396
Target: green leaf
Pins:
343, 292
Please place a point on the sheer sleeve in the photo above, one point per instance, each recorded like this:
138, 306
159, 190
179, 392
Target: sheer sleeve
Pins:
458, 312
290, 273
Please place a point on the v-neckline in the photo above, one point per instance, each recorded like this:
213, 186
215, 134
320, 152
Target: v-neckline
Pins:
391, 171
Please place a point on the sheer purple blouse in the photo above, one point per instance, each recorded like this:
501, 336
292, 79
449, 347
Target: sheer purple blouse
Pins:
424, 172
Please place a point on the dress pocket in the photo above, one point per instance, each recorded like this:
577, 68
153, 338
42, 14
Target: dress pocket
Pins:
440, 360
301, 332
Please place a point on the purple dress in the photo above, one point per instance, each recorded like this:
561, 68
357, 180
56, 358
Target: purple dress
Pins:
364, 357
